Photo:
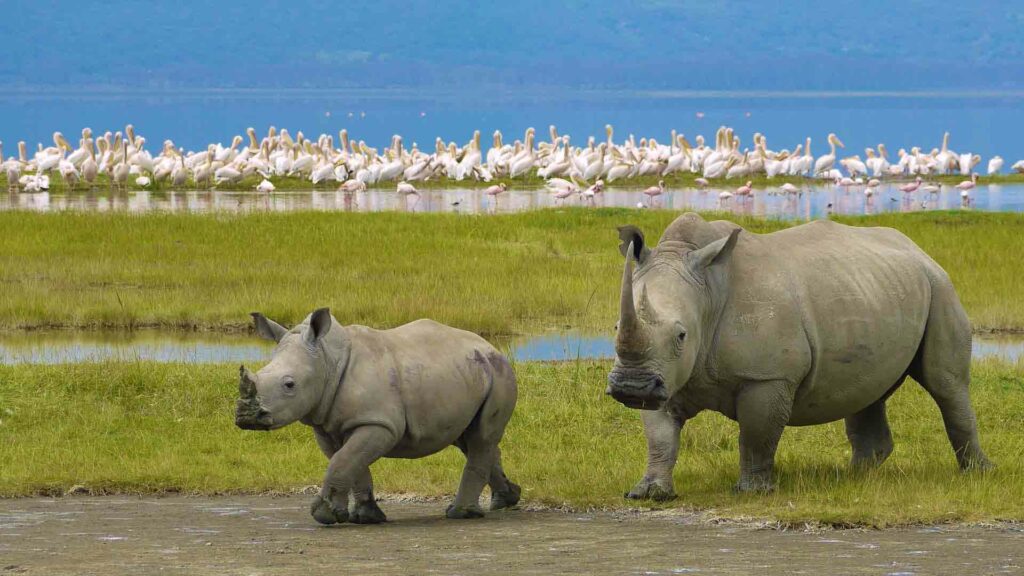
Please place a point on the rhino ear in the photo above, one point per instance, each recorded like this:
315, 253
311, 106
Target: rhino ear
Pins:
319, 325
715, 252
630, 234
267, 328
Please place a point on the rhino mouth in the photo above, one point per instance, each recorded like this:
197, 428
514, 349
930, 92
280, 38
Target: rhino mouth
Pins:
251, 415
638, 389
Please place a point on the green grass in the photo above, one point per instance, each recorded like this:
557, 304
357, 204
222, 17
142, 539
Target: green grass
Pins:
491, 274
528, 181
143, 427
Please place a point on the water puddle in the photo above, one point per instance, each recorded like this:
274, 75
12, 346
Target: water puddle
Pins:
814, 200
59, 347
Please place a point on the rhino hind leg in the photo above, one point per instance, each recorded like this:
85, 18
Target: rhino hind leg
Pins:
869, 434
662, 431
483, 457
943, 368
762, 410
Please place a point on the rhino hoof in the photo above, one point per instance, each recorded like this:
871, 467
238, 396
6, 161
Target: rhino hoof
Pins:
458, 513
367, 513
326, 512
647, 490
754, 485
506, 499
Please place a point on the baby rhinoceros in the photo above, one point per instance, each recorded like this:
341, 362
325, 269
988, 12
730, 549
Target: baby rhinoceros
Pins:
407, 392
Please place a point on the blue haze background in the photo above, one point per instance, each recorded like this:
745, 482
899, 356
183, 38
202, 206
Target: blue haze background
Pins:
195, 72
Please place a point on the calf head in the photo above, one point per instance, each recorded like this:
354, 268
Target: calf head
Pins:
292, 384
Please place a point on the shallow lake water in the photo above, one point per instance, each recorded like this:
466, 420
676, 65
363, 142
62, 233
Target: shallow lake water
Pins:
55, 347
814, 200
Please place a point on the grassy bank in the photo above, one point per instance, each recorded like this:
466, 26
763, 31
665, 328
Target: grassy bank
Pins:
155, 427
528, 181
491, 274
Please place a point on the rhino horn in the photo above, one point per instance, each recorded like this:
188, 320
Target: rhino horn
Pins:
630, 329
627, 310
246, 383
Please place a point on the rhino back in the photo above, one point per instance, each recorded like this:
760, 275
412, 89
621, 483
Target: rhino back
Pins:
839, 311
427, 378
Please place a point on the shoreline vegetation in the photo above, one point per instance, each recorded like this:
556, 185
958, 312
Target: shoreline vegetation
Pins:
553, 269
142, 427
529, 182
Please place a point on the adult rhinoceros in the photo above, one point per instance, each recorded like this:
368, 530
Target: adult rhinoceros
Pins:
802, 326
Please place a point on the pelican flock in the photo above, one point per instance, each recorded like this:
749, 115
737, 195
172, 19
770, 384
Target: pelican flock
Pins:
567, 170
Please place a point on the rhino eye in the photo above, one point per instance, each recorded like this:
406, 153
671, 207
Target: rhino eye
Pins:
682, 335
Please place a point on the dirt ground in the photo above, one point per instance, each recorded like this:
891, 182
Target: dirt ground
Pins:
255, 535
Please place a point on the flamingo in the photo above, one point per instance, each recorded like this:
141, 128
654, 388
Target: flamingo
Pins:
911, 187
968, 184
745, 190
655, 190
496, 189
789, 188
701, 183
265, 186
406, 189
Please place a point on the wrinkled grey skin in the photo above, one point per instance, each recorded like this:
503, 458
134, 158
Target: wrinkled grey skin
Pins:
401, 393
802, 326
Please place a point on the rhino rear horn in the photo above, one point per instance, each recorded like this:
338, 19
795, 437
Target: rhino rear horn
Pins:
633, 239
246, 383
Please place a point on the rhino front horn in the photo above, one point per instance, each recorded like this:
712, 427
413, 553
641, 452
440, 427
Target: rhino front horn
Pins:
246, 383
627, 310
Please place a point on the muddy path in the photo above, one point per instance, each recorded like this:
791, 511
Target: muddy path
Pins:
256, 535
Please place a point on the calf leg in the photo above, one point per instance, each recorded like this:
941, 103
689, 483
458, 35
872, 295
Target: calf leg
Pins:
363, 446
483, 458
762, 409
868, 431
662, 431
364, 508
504, 492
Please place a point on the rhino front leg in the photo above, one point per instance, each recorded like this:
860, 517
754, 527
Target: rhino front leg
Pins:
870, 438
364, 506
762, 410
363, 446
662, 431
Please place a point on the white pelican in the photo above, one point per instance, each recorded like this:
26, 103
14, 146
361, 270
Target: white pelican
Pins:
995, 165
1018, 167
824, 164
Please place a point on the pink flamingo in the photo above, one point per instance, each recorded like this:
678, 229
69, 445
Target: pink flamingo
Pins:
654, 191
701, 183
968, 184
496, 189
912, 187
745, 190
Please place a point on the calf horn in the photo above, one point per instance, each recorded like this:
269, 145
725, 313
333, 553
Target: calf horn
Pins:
246, 383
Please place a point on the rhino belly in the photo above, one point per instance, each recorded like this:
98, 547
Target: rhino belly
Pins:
863, 340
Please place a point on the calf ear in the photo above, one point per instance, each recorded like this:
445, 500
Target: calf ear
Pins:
715, 252
631, 234
267, 328
319, 325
